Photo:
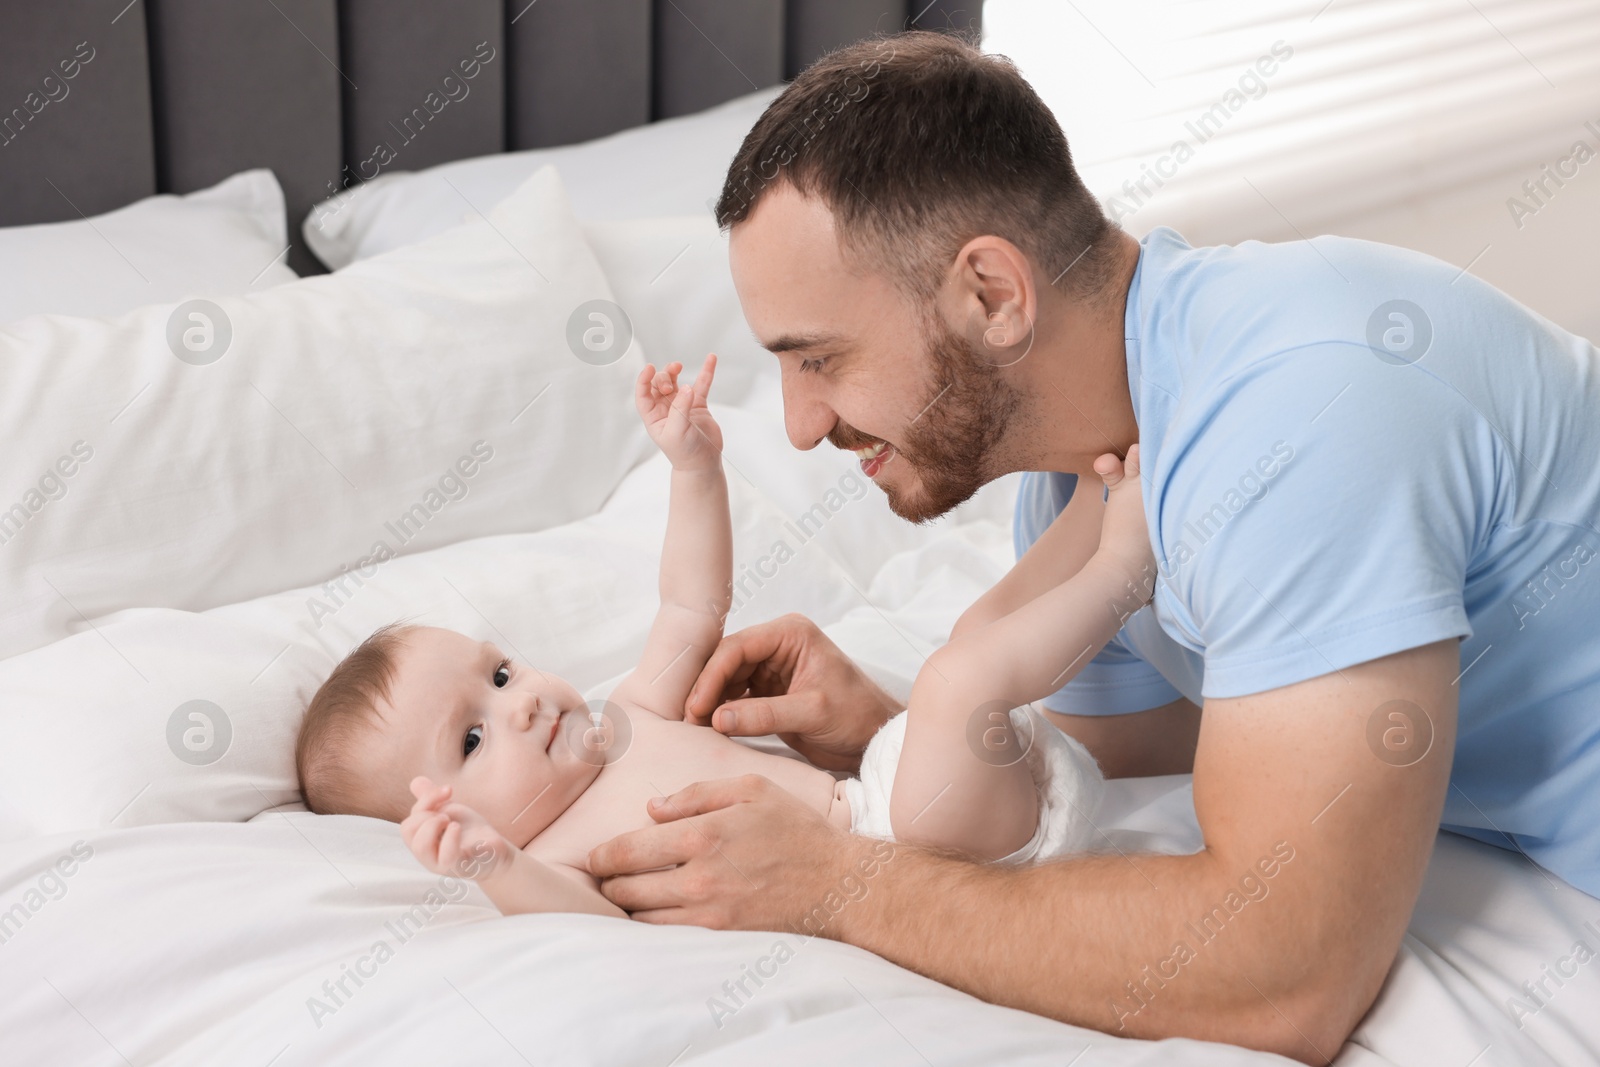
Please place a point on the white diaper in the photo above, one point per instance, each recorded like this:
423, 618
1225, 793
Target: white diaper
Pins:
1069, 781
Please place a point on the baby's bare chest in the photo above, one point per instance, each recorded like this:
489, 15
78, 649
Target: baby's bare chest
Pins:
660, 758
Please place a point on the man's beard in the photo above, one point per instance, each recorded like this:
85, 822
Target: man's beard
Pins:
962, 420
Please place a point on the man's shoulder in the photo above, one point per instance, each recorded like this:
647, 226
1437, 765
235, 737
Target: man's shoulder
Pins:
1209, 310
1230, 333
1217, 306
1318, 269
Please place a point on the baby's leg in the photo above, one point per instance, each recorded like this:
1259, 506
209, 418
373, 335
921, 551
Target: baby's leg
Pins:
962, 781
838, 812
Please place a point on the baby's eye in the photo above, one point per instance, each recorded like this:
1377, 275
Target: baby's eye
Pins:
502, 674
473, 739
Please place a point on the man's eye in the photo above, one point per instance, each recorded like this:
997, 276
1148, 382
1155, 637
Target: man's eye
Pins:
502, 675
808, 366
473, 739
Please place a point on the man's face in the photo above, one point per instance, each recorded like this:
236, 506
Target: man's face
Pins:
862, 367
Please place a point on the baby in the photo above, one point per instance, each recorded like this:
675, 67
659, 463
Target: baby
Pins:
501, 771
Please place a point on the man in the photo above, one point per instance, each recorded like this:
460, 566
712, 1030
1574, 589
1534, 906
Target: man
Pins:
1371, 486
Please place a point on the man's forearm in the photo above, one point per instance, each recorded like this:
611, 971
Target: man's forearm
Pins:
697, 556
1277, 936
1137, 946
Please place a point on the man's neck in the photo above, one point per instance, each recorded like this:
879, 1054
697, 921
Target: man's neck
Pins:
1076, 378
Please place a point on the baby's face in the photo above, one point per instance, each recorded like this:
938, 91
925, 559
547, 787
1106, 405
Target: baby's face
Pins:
505, 737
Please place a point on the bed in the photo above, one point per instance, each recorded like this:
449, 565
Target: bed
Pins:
215, 509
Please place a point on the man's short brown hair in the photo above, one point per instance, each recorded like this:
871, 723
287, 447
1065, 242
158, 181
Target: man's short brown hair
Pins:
919, 142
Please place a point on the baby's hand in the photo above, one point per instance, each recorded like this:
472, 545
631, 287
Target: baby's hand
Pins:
678, 420
450, 838
1124, 537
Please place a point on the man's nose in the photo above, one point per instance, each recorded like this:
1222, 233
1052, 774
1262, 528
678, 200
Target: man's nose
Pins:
806, 417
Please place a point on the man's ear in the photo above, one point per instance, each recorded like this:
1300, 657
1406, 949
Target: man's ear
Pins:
994, 299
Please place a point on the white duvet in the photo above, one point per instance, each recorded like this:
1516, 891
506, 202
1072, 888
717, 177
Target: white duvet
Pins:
299, 939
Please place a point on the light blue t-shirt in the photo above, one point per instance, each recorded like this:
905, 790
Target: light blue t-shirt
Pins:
1349, 450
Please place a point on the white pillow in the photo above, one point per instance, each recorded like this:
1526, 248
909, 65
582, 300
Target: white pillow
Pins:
673, 167
670, 275
415, 399
221, 241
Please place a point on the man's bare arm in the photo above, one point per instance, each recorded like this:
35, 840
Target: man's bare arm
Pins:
1276, 936
1158, 946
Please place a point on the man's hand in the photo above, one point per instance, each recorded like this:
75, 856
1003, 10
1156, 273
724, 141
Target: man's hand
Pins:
786, 677
744, 855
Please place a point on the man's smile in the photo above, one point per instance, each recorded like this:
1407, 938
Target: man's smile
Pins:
873, 457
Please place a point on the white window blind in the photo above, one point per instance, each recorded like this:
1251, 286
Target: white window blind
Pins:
1368, 103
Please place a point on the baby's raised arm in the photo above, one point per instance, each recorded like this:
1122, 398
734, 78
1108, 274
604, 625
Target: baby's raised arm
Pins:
697, 557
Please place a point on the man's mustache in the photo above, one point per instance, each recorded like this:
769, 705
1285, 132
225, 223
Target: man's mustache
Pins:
848, 438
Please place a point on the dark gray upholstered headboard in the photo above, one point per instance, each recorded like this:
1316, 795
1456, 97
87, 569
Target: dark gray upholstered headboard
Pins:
103, 102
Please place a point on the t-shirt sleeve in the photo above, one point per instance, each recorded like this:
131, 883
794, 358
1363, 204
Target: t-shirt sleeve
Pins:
1116, 681
1319, 510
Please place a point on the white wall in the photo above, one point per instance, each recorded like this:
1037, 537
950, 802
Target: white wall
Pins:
1415, 122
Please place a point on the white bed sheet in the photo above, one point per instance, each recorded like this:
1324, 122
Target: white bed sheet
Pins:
205, 943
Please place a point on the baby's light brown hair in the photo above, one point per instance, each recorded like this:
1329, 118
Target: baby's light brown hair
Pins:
342, 713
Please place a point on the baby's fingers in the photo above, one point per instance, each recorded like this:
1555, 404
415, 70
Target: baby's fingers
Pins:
643, 396
425, 839
1111, 469
462, 814
1131, 466
685, 399
450, 845
702, 381
666, 380
429, 796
